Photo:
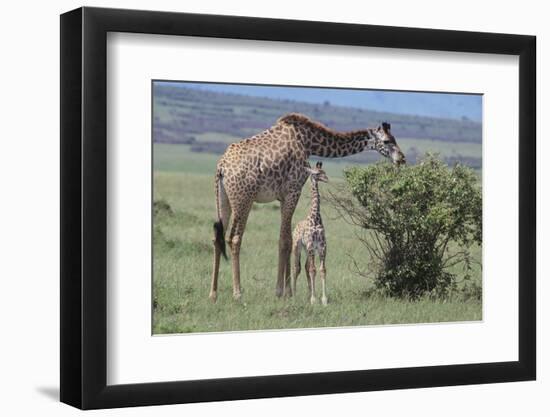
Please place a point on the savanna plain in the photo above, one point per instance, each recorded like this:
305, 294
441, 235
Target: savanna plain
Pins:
184, 211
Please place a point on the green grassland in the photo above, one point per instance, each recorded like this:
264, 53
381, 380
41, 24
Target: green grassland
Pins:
182, 263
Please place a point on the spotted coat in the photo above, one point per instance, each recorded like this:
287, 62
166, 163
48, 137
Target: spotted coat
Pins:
272, 166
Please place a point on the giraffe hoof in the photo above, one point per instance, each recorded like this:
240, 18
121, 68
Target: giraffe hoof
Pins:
324, 301
313, 301
237, 296
279, 292
213, 296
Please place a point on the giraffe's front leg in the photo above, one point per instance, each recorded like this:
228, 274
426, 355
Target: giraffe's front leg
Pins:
311, 266
288, 275
288, 205
308, 278
296, 249
283, 275
323, 271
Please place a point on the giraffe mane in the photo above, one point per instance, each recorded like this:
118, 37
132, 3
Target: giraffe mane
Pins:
298, 118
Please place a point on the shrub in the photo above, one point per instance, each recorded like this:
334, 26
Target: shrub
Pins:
162, 208
410, 216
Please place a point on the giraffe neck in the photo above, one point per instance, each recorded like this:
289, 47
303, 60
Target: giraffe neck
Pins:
337, 145
315, 208
321, 141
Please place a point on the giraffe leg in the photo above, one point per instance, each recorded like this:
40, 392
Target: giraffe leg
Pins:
288, 290
236, 266
312, 271
287, 276
224, 211
240, 217
297, 249
323, 271
308, 277
288, 205
214, 284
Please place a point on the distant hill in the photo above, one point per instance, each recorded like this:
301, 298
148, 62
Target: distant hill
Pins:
181, 112
442, 105
209, 120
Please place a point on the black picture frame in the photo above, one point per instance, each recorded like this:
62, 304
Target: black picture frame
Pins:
84, 207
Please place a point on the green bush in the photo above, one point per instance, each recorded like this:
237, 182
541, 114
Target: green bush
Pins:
411, 215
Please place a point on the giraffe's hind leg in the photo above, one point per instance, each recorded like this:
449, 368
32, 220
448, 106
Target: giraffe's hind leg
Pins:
216, 269
224, 213
240, 216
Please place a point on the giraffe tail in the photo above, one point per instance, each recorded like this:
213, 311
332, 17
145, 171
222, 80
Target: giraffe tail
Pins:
218, 226
220, 241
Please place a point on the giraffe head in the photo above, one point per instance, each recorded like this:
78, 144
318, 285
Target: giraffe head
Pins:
386, 145
317, 174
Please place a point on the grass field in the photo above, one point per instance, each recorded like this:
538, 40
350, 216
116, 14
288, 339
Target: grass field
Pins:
183, 264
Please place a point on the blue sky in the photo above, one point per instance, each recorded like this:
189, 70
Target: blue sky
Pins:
448, 105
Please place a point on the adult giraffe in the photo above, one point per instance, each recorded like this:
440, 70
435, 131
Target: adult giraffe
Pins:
271, 166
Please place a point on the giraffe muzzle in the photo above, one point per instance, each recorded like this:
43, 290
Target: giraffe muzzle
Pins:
398, 158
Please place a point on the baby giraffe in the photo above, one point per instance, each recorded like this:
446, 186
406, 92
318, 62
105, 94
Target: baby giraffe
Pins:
310, 234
